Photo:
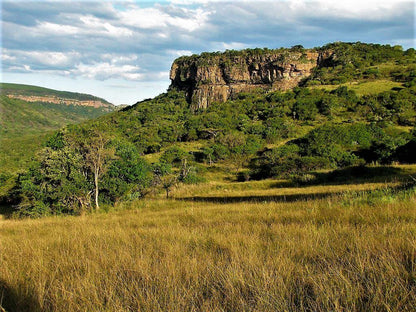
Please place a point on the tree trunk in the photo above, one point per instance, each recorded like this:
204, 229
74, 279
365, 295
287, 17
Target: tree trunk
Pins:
82, 206
97, 207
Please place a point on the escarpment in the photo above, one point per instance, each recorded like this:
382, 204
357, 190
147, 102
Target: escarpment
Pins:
217, 77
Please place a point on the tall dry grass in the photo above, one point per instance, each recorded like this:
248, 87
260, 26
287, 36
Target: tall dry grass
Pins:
343, 252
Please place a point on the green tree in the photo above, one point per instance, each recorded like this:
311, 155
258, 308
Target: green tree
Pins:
58, 182
93, 145
128, 176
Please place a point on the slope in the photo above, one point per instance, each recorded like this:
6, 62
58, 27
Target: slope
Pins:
294, 134
25, 123
29, 90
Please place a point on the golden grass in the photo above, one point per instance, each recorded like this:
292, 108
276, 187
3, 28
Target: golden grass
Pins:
340, 252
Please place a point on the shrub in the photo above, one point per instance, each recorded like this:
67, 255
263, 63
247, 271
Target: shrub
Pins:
174, 156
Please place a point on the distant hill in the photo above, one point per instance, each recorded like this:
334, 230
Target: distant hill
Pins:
38, 94
30, 109
29, 113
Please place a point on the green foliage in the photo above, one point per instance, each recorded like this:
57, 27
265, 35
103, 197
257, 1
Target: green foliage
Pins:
58, 183
354, 61
343, 145
174, 156
305, 109
285, 162
20, 117
128, 176
324, 128
25, 125
330, 146
406, 152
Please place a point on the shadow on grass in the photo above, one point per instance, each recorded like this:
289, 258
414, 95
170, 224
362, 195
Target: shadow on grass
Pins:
260, 198
357, 175
11, 300
348, 176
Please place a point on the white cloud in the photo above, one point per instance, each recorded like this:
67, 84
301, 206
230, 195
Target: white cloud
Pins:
144, 18
178, 53
48, 58
20, 68
6, 57
47, 28
355, 9
103, 71
95, 25
119, 59
198, 18
155, 18
231, 45
52, 58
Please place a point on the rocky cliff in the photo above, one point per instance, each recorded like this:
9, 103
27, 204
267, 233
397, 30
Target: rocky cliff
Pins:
216, 77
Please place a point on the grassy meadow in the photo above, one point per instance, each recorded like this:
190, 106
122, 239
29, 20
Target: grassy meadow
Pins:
365, 87
222, 246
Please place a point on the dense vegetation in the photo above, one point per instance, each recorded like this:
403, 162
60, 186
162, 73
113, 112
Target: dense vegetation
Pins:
364, 61
26, 126
293, 134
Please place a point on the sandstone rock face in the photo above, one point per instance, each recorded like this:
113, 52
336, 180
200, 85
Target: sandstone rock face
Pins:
216, 77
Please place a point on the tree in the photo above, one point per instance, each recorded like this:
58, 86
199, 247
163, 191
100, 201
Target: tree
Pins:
93, 145
97, 158
128, 176
305, 109
165, 177
58, 182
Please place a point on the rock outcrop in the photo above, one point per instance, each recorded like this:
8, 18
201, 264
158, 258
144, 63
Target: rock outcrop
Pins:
63, 101
216, 77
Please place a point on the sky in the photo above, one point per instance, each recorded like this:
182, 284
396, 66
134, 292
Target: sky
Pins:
122, 50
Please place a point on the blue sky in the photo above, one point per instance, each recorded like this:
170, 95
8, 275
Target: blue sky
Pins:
122, 50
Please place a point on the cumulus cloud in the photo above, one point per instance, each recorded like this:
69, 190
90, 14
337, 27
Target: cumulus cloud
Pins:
103, 71
39, 59
152, 18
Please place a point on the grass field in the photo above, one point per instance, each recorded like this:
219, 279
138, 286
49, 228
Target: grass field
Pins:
222, 246
365, 87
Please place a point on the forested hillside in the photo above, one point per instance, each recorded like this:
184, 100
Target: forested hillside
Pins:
357, 108
19, 117
25, 125
29, 90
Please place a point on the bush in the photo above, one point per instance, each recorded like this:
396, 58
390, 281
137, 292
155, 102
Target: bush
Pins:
284, 162
174, 156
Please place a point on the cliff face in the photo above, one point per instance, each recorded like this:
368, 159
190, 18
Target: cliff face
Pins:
214, 77
64, 101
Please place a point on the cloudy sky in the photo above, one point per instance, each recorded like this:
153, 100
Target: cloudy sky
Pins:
122, 50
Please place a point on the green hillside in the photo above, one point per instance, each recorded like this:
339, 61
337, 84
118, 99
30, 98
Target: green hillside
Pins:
24, 125
324, 125
21, 89
19, 117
